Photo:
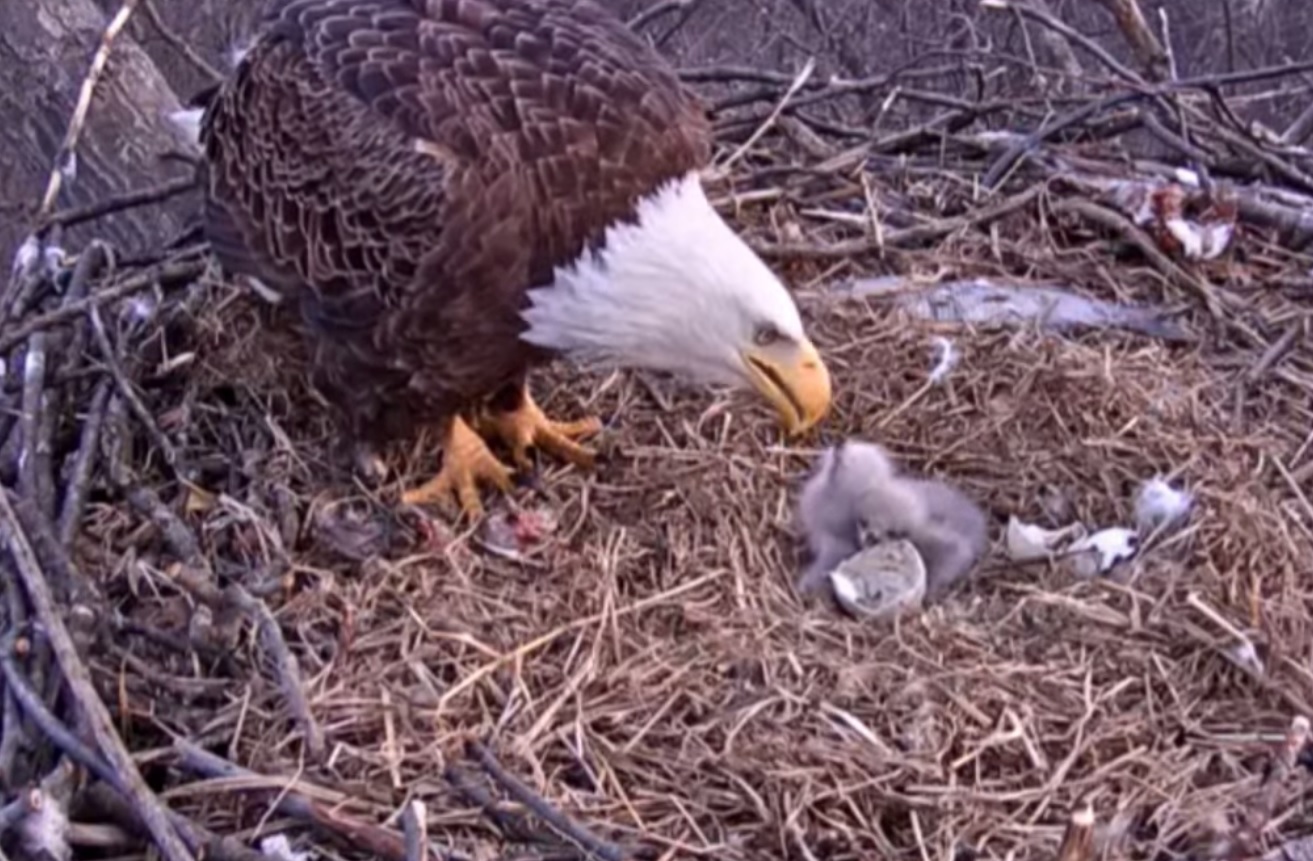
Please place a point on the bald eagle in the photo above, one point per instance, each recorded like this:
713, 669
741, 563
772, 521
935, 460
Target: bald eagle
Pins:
451, 192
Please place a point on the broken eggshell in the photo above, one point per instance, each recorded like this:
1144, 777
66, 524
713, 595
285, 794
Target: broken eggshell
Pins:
881, 581
1026, 542
1097, 553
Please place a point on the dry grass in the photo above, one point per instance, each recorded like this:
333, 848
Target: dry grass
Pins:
650, 670
647, 668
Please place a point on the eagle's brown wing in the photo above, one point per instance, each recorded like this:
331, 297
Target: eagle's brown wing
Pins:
408, 168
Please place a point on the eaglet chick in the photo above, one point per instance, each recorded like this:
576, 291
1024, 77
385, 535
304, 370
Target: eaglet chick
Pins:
856, 497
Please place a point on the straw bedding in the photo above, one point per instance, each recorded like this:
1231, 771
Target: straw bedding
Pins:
638, 658
649, 670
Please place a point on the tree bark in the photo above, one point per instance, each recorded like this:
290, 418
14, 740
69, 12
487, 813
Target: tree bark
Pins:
46, 48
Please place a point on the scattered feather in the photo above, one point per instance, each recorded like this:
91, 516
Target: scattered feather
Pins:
1245, 656
27, 257
140, 309
53, 258
237, 52
187, 122
278, 847
946, 360
1201, 241
1158, 504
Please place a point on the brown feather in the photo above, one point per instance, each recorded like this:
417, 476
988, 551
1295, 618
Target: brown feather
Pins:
404, 170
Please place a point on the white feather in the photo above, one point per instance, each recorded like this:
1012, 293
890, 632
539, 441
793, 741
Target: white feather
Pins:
52, 258
1158, 503
237, 52
188, 124
25, 259
947, 359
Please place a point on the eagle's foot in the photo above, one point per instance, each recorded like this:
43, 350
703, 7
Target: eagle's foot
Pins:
528, 426
466, 461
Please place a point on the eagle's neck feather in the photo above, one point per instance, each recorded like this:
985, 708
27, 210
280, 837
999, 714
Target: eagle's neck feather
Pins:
674, 289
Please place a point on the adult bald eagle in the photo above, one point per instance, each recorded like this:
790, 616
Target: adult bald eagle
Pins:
453, 191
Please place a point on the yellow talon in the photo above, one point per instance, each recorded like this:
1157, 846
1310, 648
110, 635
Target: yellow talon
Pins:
527, 426
466, 460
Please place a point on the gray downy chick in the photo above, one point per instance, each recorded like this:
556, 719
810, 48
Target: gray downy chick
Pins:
856, 497
828, 507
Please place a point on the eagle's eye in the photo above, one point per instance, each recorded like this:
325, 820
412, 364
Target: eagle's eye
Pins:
766, 335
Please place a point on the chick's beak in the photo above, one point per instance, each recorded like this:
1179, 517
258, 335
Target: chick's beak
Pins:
791, 375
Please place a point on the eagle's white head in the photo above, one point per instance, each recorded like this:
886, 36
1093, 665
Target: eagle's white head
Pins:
679, 291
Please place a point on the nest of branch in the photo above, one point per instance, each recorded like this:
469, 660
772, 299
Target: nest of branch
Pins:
621, 653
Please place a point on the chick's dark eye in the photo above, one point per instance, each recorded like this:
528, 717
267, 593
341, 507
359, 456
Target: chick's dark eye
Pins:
766, 335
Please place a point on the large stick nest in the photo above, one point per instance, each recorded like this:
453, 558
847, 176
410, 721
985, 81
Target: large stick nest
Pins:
644, 664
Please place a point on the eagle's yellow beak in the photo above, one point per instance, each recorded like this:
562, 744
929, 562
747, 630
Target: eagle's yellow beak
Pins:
793, 378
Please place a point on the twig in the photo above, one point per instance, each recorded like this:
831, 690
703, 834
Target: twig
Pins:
1118, 223
12, 813
152, 812
129, 393
798, 82
376, 838
34, 461
121, 202
414, 822
1283, 761
1073, 36
66, 158
178, 44
511, 824
558, 821
13, 732
51, 727
906, 237
286, 669
1299, 130
659, 10
201, 841
167, 274
1003, 165
72, 345
1078, 841
48, 553
177, 536
1148, 50
79, 479
1287, 171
